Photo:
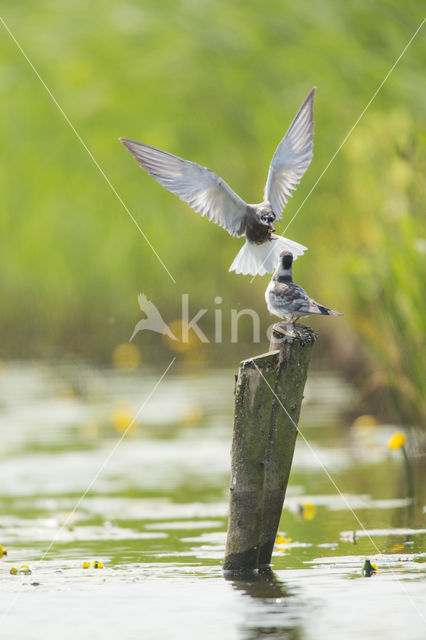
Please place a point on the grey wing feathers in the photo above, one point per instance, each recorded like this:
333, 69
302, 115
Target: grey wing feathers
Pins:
200, 187
292, 157
291, 297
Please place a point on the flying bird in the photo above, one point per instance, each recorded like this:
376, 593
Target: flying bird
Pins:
153, 320
209, 195
286, 299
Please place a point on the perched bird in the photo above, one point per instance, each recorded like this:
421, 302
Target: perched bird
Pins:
153, 320
208, 194
286, 299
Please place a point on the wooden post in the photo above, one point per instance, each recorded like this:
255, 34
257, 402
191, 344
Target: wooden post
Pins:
268, 397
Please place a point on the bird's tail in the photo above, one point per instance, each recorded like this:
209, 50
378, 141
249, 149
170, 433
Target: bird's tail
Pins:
258, 259
326, 312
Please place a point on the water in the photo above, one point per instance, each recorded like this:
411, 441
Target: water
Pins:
154, 513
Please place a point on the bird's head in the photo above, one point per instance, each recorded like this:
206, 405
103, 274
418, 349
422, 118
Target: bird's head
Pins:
267, 217
284, 270
286, 258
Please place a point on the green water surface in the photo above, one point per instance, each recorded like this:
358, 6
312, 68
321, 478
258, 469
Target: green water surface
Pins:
151, 505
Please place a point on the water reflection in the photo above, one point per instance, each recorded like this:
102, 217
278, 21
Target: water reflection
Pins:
263, 584
271, 616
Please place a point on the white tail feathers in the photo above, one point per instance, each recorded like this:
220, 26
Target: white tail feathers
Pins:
258, 259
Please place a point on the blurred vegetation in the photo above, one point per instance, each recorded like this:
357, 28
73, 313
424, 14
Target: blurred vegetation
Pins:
387, 255
218, 83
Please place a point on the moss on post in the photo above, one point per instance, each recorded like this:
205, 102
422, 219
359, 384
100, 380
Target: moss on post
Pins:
267, 387
253, 402
293, 362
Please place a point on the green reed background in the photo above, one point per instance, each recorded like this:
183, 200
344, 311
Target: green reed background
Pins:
218, 83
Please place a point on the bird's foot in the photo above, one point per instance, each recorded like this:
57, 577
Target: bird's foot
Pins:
287, 329
294, 331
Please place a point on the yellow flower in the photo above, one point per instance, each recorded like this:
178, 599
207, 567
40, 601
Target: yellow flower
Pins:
122, 418
126, 357
188, 343
24, 569
176, 328
397, 440
193, 414
308, 511
282, 540
97, 564
365, 420
86, 565
13, 571
3, 551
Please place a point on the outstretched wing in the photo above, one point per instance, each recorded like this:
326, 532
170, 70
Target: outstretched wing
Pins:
200, 187
292, 157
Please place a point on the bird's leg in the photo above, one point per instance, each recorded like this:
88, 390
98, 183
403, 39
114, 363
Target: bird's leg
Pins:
296, 331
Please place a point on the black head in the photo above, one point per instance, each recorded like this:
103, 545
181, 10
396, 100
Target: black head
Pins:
286, 259
268, 219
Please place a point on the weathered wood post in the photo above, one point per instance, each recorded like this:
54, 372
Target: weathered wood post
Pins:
268, 397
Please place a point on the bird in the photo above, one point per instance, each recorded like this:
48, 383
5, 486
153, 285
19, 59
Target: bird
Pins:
286, 299
153, 321
211, 196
